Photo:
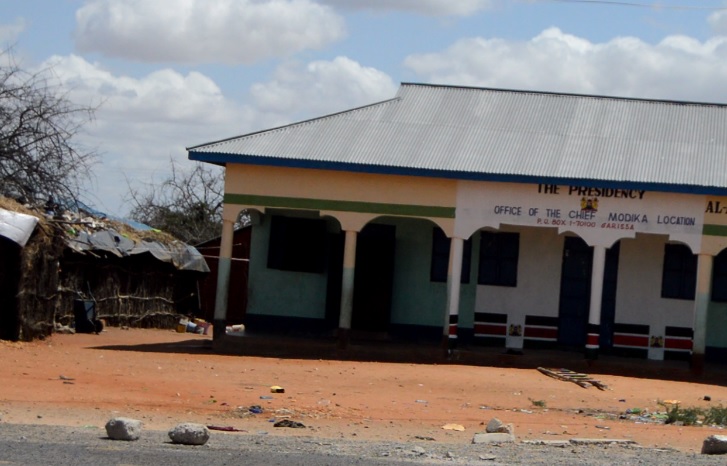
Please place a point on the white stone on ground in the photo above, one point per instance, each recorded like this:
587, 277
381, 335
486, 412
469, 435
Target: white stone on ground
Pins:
487, 439
123, 428
189, 433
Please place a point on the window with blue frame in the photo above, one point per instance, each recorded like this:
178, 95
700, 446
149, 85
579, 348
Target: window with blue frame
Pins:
719, 277
499, 254
297, 244
679, 275
440, 257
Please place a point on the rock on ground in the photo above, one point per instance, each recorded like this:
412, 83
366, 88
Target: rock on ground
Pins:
122, 428
495, 426
715, 445
189, 433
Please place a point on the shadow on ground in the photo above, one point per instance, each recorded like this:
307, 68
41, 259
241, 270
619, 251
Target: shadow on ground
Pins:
277, 346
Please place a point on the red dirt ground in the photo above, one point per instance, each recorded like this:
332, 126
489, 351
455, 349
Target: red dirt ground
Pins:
112, 375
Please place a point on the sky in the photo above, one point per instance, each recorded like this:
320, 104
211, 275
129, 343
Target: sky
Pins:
170, 74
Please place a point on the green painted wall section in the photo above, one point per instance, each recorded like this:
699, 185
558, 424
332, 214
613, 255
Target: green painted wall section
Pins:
281, 293
716, 323
417, 300
342, 206
714, 230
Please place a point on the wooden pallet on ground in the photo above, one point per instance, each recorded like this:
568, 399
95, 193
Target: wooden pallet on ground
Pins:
584, 380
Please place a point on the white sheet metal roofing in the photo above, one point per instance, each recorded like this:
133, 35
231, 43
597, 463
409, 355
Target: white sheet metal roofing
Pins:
475, 133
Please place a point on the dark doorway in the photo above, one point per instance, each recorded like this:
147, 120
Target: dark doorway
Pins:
374, 278
575, 294
335, 278
9, 287
608, 303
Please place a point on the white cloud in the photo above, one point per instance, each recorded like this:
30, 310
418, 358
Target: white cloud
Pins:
141, 123
322, 87
718, 22
201, 31
679, 67
10, 32
424, 7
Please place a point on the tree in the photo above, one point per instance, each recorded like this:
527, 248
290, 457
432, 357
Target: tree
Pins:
187, 204
40, 158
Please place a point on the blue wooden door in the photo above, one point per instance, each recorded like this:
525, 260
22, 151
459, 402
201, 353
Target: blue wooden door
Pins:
575, 292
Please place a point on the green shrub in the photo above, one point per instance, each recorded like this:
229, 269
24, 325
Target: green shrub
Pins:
716, 415
687, 416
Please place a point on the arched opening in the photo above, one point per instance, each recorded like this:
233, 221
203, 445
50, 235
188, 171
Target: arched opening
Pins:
239, 271
394, 292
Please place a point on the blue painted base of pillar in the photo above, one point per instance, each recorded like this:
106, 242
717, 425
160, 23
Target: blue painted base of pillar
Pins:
343, 337
696, 364
448, 345
219, 327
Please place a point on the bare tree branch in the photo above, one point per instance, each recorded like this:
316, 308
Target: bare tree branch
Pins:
40, 158
187, 204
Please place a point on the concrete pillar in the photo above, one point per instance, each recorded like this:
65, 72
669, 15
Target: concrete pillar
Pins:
349, 268
701, 306
219, 323
594, 313
454, 276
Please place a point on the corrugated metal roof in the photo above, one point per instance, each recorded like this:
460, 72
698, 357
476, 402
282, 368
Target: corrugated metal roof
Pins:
475, 133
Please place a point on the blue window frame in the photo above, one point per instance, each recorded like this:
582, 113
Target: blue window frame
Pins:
499, 254
719, 277
679, 275
297, 244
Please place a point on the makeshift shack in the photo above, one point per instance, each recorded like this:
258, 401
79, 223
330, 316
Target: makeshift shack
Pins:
126, 276
239, 269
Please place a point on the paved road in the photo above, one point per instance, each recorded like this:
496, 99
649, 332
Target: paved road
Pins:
60, 446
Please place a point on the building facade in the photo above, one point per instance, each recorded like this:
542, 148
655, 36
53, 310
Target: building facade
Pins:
506, 218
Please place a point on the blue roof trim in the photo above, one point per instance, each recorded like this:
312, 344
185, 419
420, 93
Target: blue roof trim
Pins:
224, 159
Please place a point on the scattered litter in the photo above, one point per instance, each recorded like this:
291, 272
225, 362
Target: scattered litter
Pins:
603, 427
671, 402
277, 389
707, 398
266, 397
198, 326
63, 377
235, 330
457, 427
420, 437
421, 401
583, 380
255, 409
289, 423
226, 428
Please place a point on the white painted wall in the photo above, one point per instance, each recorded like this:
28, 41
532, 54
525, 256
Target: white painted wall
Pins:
638, 292
538, 281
